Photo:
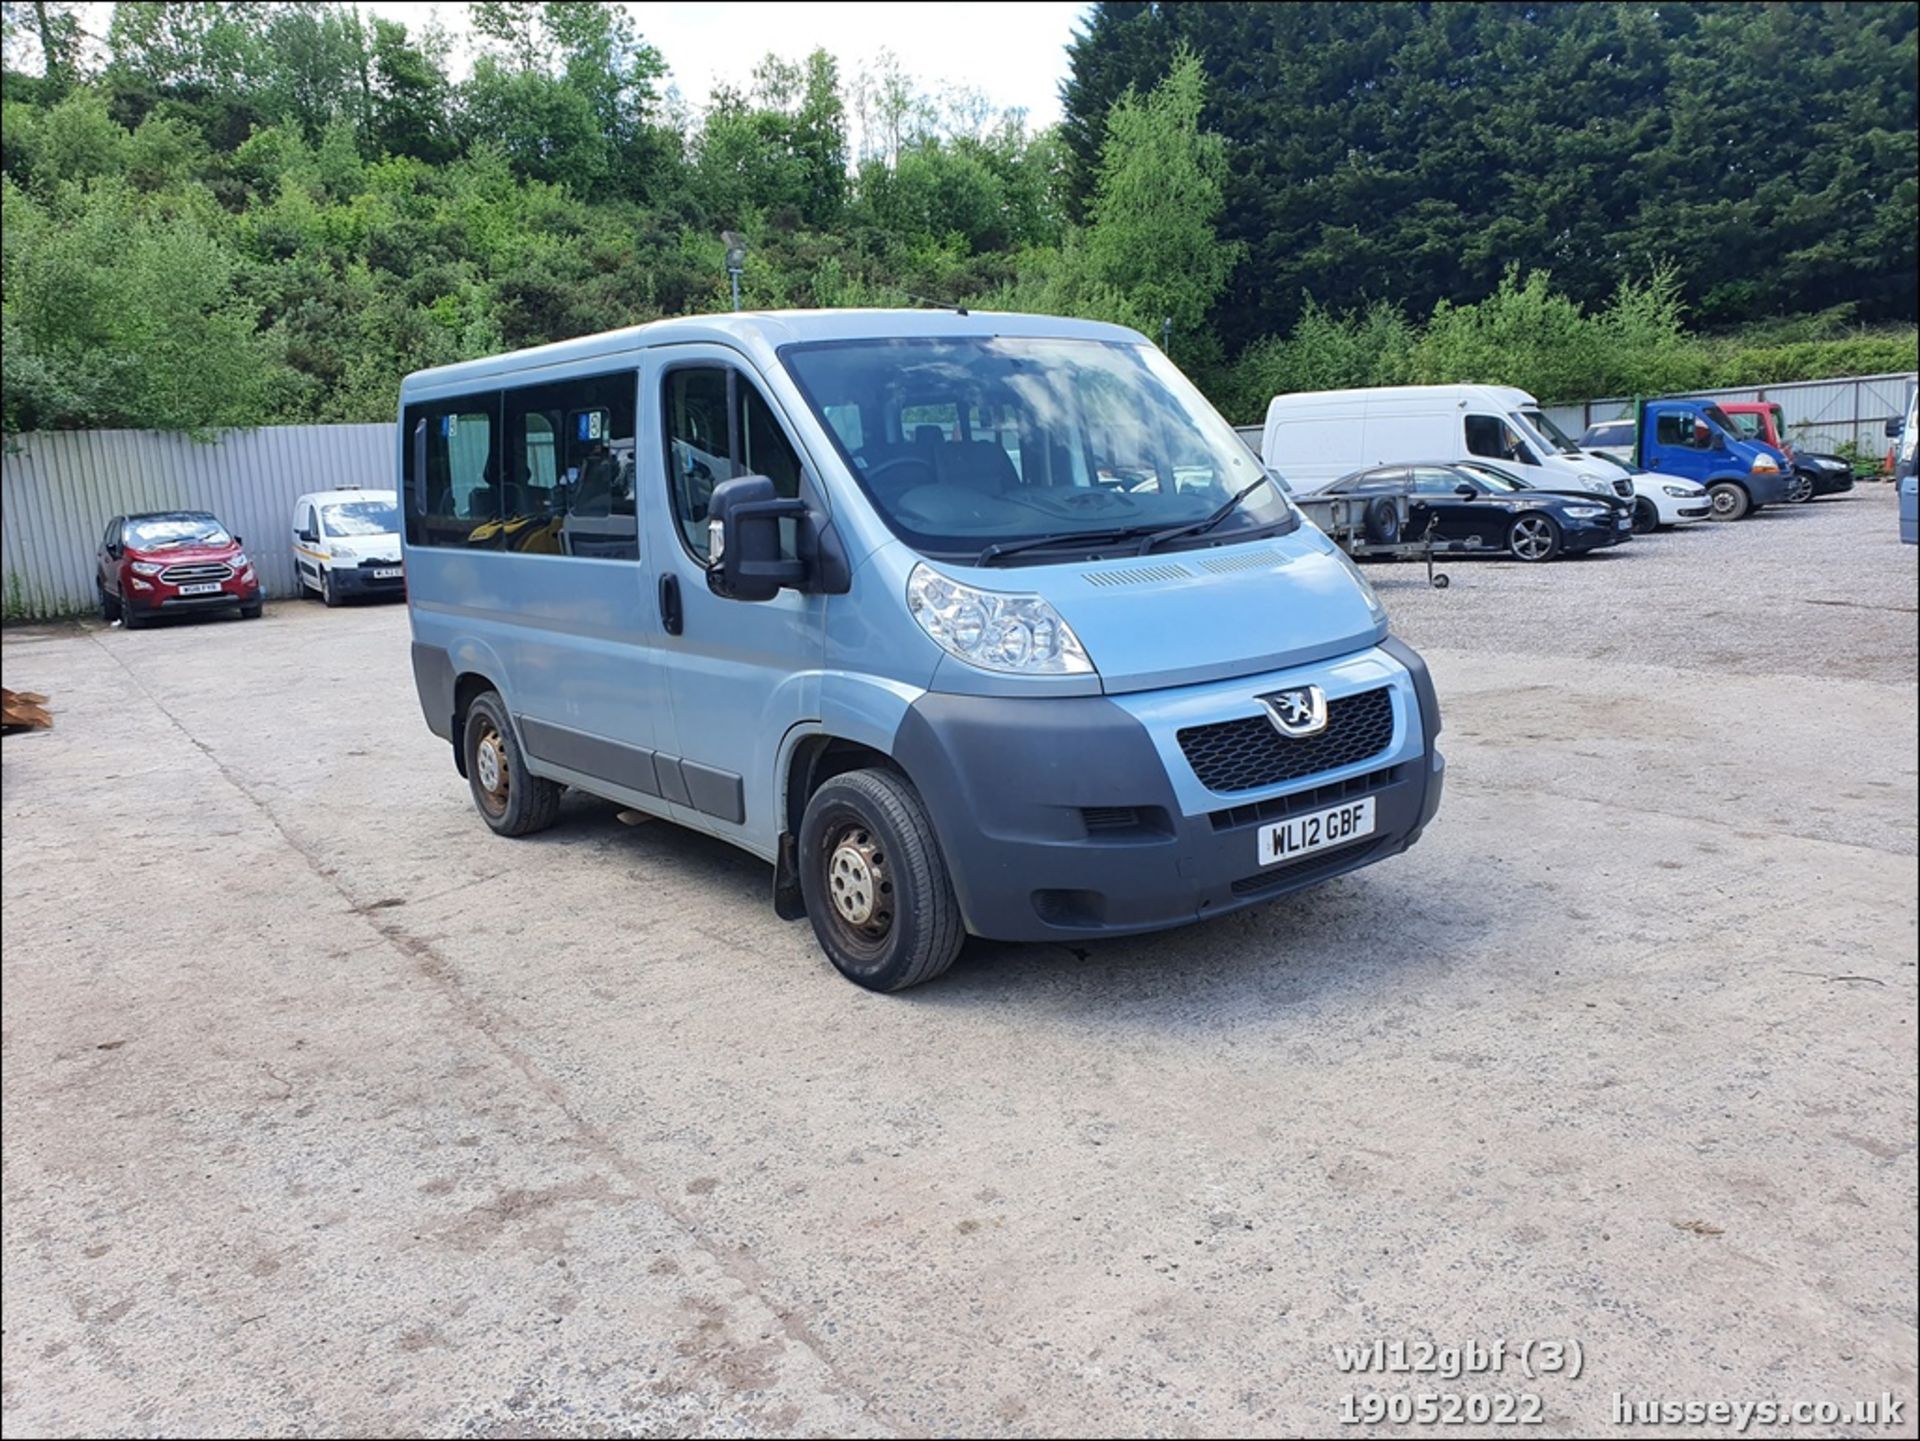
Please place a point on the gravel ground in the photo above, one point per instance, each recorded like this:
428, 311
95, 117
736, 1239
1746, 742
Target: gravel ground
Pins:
1824, 589
327, 1112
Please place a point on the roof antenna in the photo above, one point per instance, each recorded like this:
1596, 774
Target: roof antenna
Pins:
938, 304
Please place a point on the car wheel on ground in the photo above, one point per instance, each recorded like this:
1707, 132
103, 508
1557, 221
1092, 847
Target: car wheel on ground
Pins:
252, 610
327, 596
1802, 491
130, 616
876, 887
1646, 517
1534, 538
510, 799
1729, 500
109, 605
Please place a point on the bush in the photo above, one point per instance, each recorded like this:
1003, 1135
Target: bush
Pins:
1527, 335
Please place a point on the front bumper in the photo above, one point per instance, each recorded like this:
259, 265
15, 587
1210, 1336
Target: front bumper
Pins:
1829, 482
1058, 818
166, 600
1577, 537
351, 582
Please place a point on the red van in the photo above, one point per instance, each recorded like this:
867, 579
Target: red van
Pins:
172, 562
1764, 421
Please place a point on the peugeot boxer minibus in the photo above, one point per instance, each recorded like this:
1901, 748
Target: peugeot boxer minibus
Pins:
967, 624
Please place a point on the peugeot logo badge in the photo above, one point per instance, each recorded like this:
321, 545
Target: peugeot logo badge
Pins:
1301, 711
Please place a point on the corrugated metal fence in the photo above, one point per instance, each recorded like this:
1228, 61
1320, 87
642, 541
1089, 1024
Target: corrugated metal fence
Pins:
1822, 415
58, 490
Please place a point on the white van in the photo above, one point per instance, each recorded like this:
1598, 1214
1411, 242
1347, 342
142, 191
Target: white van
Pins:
346, 543
1314, 437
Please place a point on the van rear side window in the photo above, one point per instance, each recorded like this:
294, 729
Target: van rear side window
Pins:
450, 470
541, 470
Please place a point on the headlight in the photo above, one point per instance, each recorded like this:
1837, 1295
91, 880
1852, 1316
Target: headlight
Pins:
147, 567
993, 629
1678, 492
1765, 465
1585, 512
240, 561
1594, 482
1366, 587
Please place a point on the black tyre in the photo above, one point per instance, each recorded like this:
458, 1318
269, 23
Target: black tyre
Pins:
130, 615
1534, 537
328, 598
875, 883
1729, 499
109, 604
252, 609
1382, 521
509, 798
1646, 517
1802, 489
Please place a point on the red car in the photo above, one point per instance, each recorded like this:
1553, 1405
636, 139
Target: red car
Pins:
172, 562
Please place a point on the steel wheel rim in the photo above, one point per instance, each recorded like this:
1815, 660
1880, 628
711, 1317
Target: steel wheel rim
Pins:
859, 886
490, 769
1531, 539
1723, 502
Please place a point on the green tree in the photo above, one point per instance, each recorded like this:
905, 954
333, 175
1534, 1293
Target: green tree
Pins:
1158, 196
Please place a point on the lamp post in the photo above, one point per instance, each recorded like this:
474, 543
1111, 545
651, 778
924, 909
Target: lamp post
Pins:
736, 244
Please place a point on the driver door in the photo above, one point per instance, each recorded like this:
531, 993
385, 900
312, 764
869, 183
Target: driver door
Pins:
739, 673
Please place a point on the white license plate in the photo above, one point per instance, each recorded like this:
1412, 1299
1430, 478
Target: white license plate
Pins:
208, 589
1625, 522
1301, 835
393, 574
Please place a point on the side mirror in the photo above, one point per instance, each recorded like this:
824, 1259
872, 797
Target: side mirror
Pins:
238, 541
1465, 492
1896, 424
743, 540
309, 537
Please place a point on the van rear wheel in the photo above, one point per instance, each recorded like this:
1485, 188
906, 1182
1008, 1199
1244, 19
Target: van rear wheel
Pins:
510, 799
876, 885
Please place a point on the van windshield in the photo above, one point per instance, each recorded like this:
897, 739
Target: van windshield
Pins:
992, 441
361, 517
1541, 424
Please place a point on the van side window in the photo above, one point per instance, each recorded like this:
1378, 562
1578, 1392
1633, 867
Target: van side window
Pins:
568, 486
1492, 437
719, 426
456, 500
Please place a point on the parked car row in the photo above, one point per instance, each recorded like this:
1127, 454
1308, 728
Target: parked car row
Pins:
1484, 468
167, 563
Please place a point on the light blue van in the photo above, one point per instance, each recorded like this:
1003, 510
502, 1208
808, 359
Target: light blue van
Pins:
968, 624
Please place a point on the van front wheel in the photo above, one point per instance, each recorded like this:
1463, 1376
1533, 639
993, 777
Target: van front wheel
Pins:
509, 798
1730, 500
875, 883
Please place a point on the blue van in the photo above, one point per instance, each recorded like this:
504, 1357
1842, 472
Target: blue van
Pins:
968, 624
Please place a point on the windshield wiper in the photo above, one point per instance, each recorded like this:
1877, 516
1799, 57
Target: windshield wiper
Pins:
1205, 523
1000, 549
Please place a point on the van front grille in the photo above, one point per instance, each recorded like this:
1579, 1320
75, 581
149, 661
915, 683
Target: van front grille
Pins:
1243, 755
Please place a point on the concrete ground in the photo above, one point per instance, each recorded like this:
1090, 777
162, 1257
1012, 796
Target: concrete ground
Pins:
326, 1111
